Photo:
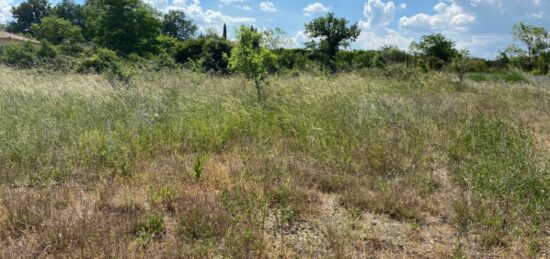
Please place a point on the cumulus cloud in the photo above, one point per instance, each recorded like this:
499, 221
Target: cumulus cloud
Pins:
448, 16
207, 19
229, 2
245, 7
379, 13
5, 15
316, 8
268, 7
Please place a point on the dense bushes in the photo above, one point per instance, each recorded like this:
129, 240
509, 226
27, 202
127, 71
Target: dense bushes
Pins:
207, 53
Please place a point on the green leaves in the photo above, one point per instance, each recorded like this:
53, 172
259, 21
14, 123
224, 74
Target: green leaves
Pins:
250, 58
332, 34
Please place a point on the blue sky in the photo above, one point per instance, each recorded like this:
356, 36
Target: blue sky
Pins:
483, 26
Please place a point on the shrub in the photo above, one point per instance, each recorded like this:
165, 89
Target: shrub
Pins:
208, 53
20, 55
105, 61
101, 61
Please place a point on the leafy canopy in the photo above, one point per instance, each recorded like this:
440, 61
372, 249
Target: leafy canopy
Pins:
437, 46
332, 33
176, 25
536, 39
27, 13
57, 31
70, 11
126, 26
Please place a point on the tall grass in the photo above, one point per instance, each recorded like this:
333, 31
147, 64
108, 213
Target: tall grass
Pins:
214, 168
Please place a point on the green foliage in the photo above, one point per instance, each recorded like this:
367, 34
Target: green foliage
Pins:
207, 53
125, 26
508, 76
250, 58
332, 33
27, 13
100, 61
175, 24
536, 39
392, 55
106, 61
198, 167
151, 229
57, 31
214, 54
20, 55
493, 160
436, 48
70, 11
460, 63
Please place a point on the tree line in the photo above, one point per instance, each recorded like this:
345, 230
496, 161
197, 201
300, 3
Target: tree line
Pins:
99, 34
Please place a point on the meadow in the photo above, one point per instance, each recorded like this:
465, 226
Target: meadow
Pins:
176, 164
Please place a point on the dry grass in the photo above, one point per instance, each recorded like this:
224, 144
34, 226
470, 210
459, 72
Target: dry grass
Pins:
355, 166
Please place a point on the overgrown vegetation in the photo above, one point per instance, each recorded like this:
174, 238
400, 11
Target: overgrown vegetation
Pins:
189, 165
144, 140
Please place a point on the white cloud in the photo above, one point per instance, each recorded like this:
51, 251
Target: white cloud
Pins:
5, 7
268, 7
536, 15
376, 31
245, 7
448, 16
207, 19
316, 8
374, 39
299, 39
379, 13
229, 2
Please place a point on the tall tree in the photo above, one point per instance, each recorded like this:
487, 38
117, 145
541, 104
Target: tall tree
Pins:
329, 34
224, 35
176, 24
536, 39
437, 46
70, 11
27, 13
126, 26
57, 31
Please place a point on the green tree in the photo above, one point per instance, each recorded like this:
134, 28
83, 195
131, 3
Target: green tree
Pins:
224, 34
57, 31
437, 49
460, 63
70, 11
250, 58
126, 26
175, 24
329, 34
536, 39
27, 13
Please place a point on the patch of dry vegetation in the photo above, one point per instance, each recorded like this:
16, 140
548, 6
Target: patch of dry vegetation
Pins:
189, 165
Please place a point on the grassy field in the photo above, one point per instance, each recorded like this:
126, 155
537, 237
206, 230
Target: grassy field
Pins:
369, 164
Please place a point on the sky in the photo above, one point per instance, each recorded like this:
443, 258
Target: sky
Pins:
482, 26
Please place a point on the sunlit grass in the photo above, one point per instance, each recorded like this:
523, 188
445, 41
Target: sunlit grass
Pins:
218, 167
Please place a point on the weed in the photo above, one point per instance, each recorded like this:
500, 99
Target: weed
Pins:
151, 229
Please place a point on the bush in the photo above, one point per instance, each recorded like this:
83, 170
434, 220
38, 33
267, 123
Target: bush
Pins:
102, 60
20, 55
208, 53
105, 61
